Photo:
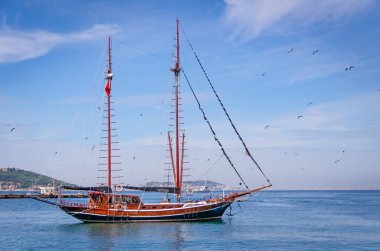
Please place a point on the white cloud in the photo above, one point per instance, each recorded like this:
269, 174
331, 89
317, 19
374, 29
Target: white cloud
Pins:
16, 45
252, 18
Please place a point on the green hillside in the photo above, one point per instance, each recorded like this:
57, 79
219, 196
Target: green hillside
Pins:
13, 178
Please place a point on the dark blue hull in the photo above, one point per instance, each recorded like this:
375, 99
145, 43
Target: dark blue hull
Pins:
212, 214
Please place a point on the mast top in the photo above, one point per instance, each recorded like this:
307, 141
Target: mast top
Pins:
109, 75
176, 69
109, 72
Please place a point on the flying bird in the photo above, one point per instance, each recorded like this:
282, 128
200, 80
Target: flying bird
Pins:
55, 153
285, 153
343, 150
336, 161
266, 127
378, 89
93, 147
300, 116
140, 114
208, 159
98, 108
134, 157
349, 68
310, 103
291, 50
263, 74
13, 129
296, 154
85, 138
315, 52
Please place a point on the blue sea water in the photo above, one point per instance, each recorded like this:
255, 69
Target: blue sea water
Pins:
271, 220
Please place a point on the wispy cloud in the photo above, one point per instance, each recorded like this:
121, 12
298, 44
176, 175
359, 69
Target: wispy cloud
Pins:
18, 45
352, 122
252, 18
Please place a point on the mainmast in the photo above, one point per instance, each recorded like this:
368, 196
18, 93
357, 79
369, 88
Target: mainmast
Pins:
108, 91
177, 171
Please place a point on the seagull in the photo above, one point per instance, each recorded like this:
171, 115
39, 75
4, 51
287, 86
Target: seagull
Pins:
291, 50
285, 153
262, 74
98, 108
140, 114
13, 129
310, 103
85, 138
296, 154
315, 52
378, 89
93, 147
134, 157
266, 127
208, 159
300, 116
349, 68
55, 153
343, 150
336, 161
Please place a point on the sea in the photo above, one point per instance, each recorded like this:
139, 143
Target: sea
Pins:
270, 220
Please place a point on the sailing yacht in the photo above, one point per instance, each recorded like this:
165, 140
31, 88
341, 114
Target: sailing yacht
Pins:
107, 205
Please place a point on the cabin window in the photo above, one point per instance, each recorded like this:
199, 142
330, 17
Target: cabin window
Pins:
96, 198
118, 199
135, 200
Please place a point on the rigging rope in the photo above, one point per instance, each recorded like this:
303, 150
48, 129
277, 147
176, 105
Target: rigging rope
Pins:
212, 130
224, 109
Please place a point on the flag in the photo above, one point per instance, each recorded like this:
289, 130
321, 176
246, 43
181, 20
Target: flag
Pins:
108, 87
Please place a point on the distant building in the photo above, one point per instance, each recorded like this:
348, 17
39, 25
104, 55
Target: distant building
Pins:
47, 190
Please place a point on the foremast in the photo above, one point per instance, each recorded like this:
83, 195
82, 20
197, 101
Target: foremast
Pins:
108, 92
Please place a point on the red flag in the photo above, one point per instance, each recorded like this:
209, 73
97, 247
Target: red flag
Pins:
108, 87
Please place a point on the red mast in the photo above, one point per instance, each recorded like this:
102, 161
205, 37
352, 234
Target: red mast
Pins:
108, 91
176, 70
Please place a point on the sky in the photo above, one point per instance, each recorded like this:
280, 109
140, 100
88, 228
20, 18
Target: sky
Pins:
281, 68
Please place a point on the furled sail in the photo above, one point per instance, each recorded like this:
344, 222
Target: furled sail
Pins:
154, 189
104, 189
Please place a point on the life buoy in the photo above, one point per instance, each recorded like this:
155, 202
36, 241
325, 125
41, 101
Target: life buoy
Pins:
91, 205
119, 188
119, 207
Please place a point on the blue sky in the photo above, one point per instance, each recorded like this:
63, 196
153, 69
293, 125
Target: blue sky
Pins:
52, 61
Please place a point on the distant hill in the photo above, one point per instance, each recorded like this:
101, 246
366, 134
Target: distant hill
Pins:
14, 178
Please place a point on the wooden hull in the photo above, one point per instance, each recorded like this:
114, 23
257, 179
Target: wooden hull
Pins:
197, 212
